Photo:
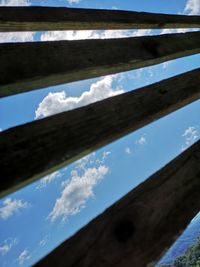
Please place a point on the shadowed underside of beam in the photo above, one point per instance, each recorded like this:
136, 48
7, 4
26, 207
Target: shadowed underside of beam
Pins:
54, 18
138, 229
29, 66
33, 150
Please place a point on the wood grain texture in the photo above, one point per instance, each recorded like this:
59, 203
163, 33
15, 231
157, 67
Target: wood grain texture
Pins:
29, 66
54, 18
141, 226
30, 151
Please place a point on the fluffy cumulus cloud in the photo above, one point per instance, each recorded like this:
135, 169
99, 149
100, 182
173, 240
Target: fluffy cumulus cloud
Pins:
76, 191
79, 188
14, 3
58, 102
192, 7
11, 207
7, 245
48, 179
191, 135
23, 257
91, 34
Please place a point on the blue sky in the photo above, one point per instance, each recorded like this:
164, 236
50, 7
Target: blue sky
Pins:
37, 218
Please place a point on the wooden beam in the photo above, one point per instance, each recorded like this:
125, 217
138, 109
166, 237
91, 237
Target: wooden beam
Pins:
29, 66
54, 18
35, 149
138, 229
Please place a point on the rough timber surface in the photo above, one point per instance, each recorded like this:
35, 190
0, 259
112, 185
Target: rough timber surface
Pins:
141, 226
54, 18
31, 151
28, 66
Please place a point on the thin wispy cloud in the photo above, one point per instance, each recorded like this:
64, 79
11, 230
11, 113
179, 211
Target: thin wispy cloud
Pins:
48, 179
23, 257
190, 135
71, 2
105, 154
10, 207
82, 163
44, 241
7, 245
138, 142
128, 150
141, 141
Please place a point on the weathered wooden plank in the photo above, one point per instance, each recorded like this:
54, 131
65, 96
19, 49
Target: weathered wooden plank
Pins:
54, 18
33, 150
29, 66
138, 229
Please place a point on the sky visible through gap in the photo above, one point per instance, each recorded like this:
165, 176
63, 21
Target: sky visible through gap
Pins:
55, 207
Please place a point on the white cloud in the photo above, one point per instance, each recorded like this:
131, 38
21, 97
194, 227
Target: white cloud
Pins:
15, 3
6, 246
76, 191
183, 30
24, 256
1, 130
190, 135
128, 150
58, 102
71, 2
192, 7
105, 154
141, 141
44, 240
82, 163
165, 64
10, 207
13, 37
197, 217
48, 179
92, 34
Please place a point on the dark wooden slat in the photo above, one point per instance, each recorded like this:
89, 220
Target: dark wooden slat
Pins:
33, 150
54, 18
138, 229
29, 66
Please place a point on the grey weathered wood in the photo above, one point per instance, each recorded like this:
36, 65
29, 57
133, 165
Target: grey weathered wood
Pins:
140, 227
54, 18
29, 66
33, 150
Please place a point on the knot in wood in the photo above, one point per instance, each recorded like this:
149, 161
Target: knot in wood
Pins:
123, 230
